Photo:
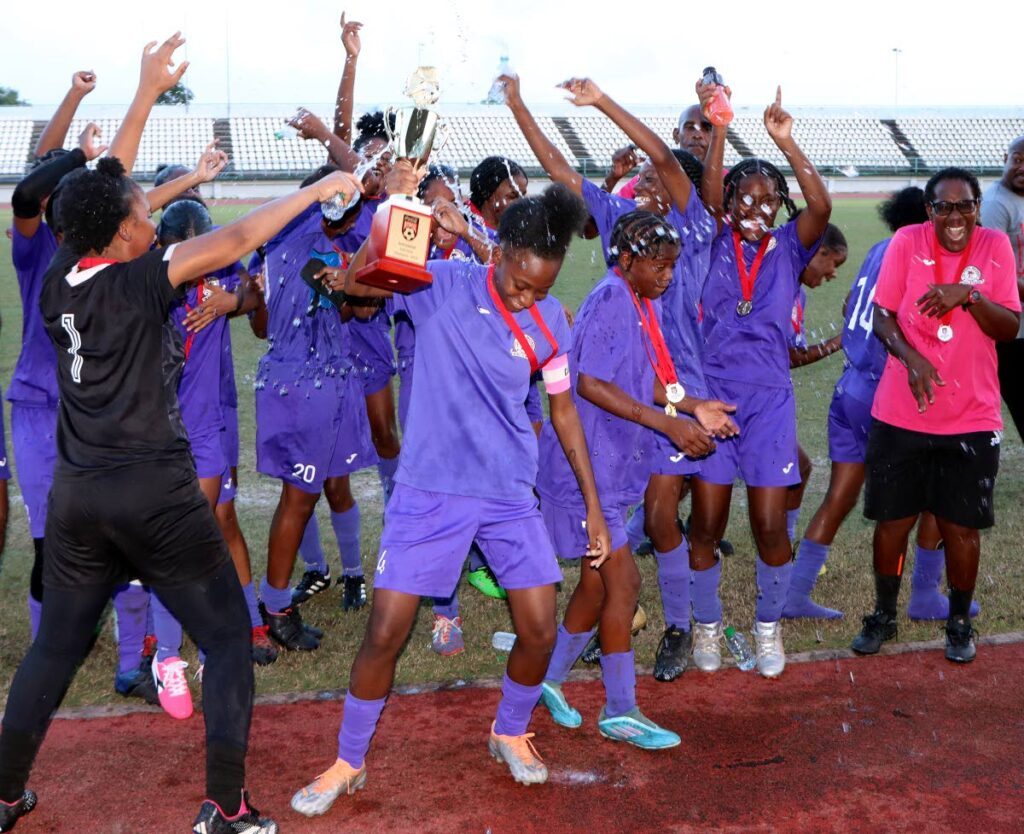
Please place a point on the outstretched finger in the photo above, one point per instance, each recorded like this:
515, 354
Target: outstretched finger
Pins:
778, 96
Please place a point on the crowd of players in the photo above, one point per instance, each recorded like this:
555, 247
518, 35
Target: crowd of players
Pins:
672, 378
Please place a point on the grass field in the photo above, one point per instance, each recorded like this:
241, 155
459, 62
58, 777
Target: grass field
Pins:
847, 585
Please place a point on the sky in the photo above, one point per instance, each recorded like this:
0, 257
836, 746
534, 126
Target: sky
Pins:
258, 52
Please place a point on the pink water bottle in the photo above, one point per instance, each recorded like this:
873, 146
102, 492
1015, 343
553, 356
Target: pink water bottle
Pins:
719, 109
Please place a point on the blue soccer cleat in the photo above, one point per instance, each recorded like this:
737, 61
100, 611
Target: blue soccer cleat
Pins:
637, 729
561, 713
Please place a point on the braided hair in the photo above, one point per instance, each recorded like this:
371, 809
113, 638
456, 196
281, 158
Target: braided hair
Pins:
643, 234
93, 204
751, 166
373, 126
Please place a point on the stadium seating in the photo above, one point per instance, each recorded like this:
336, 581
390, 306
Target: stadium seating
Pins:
167, 139
971, 143
15, 136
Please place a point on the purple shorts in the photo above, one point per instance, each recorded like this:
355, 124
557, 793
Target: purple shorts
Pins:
231, 434
208, 454
373, 356
765, 453
318, 430
427, 535
666, 459
849, 423
568, 530
34, 435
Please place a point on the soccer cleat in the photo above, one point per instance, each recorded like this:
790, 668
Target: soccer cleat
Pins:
263, 651
878, 628
287, 629
11, 812
446, 638
149, 647
637, 729
172, 687
725, 548
960, 646
561, 712
771, 656
137, 683
318, 796
483, 580
521, 757
592, 653
707, 646
639, 620
312, 583
212, 820
673, 650
645, 548
354, 596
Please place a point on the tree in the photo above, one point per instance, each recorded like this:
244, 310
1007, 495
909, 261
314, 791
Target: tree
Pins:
178, 94
9, 98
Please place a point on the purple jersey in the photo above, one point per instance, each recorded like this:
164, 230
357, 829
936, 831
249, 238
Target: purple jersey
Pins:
227, 279
472, 377
199, 387
679, 303
865, 354
753, 348
608, 343
35, 375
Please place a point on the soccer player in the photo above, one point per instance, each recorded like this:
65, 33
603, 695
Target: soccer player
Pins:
946, 293
481, 332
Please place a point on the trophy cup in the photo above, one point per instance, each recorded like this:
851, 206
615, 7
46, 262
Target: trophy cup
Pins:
399, 241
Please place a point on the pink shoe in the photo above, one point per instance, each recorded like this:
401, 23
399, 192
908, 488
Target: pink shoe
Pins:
171, 687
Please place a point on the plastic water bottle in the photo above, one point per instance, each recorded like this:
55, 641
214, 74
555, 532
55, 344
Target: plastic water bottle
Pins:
503, 641
719, 110
335, 208
497, 93
740, 649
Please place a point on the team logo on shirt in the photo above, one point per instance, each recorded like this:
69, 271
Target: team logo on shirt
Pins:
517, 349
971, 276
772, 243
459, 255
410, 226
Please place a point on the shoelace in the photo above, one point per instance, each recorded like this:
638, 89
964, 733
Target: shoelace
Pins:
174, 678
523, 747
706, 637
260, 635
766, 643
329, 779
443, 626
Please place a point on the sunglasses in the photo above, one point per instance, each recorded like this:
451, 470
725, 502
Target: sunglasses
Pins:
944, 208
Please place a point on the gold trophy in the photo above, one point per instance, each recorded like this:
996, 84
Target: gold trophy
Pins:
400, 234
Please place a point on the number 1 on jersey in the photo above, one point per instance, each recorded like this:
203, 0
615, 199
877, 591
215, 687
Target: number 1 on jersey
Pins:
67, 321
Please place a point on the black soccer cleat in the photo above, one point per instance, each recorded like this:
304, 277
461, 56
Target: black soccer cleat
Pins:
725, 547
312, 583
211, 820
287, 630
138, 683
354, 596
878, 628
10, 813
960, 646
592, 653
645, 548
673, 651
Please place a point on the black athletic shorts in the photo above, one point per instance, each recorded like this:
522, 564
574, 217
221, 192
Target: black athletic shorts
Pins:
950, 475
147, 521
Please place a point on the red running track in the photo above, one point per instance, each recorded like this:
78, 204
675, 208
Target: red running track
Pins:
894, 743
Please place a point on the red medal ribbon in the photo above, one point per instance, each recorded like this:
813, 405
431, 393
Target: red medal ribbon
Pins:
798, 317
748, 277
517, 331
937, 250
342, 256
660, 358
190, 335
89, 263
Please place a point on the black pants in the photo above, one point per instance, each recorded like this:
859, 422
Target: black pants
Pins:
211, 609
1011, 379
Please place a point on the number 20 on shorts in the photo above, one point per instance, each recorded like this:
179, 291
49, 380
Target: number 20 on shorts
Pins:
304, 472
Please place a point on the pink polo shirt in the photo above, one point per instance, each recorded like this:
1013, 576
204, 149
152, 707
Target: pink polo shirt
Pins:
969, 401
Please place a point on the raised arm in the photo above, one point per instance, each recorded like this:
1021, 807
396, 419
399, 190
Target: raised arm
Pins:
83, 82
347, 87
210, 164
311, 127
156, 76
810, 225
556, 165
712, 181
222, 247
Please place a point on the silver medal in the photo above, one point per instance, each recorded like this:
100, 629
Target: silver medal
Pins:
744, 307
945, 333
674, 392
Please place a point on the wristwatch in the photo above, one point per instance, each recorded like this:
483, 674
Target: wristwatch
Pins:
973, 297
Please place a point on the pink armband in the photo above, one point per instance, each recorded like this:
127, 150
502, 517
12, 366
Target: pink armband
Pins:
556, 375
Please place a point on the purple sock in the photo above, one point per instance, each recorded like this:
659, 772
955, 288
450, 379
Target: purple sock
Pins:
447, 607
476, 557
635, 528
772, 587
131, 602
927, 601
346, 531
618, 672
386, 469
674, 582
310, 549
707, 606
810, 557
568, 648
167, 630
276, 600
358, 723
35, 611
515, 708
792, 517
253, 604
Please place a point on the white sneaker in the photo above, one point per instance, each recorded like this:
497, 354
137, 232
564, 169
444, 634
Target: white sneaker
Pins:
771, 657
707, 646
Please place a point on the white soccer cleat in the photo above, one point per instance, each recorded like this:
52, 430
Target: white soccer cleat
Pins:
771, 656
707, 646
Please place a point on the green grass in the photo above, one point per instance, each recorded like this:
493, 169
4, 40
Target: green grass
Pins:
847, 584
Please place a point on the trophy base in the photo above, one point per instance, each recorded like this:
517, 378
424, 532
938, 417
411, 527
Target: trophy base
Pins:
394, 276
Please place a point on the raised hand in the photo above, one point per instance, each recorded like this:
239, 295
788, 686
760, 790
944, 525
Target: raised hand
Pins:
87, 142
706, 92
211, 163
404, 177
512, 93
582, 91
350, 37
449, 218
777, 121
624, 160
339, 182
158, 74
83, 82
308, 125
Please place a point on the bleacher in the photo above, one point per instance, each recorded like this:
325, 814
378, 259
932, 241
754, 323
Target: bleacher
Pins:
838, 143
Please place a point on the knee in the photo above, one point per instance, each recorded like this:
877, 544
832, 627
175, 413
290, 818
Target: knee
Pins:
384, 640
770, 532
538, 638
663, 528
625, 590
339, 495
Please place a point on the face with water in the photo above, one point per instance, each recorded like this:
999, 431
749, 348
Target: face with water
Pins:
523, 278
693, 133
504, 195
650, 275
649, 192
823, 267
953, 230
754, 205
377, 162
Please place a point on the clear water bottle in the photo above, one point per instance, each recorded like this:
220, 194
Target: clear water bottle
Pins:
497, 93
335, 208
740, 649
503, 641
